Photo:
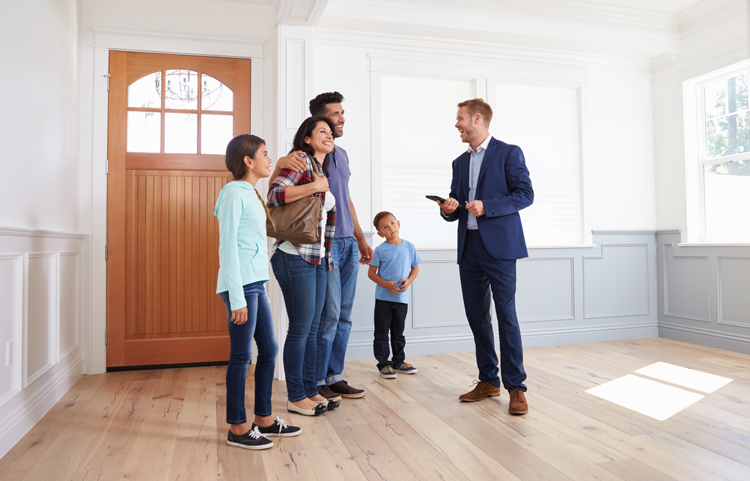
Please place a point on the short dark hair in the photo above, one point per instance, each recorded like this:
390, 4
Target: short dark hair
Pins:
237, 149
305, 130
318, 104
478, 106
380, 216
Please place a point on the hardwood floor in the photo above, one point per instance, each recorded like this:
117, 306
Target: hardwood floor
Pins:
169, 425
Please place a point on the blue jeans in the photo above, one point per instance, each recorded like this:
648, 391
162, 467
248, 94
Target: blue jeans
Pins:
260, 326
304, 288
336, 320
480, 274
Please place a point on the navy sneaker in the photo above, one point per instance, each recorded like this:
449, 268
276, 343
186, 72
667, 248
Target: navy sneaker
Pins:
279, 428
250, 440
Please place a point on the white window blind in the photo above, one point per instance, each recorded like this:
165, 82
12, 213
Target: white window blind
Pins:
419, 145
420, 142
544, 123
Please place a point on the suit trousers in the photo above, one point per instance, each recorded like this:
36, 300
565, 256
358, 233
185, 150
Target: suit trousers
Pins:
482, 275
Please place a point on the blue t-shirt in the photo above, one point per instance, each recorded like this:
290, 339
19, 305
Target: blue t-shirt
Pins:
394, 263
338, 182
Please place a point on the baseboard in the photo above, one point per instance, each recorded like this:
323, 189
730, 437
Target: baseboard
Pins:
20, 420
705, 337
531, 338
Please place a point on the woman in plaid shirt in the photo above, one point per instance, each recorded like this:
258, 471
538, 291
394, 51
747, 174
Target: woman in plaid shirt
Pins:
301, 269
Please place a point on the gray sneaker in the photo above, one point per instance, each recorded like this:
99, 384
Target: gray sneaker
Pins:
406, 368
387, 372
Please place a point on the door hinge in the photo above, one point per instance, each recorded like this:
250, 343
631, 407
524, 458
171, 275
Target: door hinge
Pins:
106, 337
106, 252
106, 167
107, 76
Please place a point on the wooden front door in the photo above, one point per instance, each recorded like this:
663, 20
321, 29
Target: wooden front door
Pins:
170, 118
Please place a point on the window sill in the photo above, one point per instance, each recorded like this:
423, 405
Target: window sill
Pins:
712, 244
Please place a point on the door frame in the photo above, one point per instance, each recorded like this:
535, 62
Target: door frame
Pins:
94, 79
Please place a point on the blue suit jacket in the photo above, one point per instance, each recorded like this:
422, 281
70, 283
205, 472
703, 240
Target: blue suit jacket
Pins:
505, 188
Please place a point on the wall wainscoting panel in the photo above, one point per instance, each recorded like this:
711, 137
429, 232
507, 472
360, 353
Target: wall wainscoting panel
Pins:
41, 325
686, 285
11, 324
733, 290
616, 283
549, 297
703, 293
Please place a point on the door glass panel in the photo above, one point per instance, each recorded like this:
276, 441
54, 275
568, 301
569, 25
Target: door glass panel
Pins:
216, 132
180, 133
181, 90
146, 92
215, 95
144, 131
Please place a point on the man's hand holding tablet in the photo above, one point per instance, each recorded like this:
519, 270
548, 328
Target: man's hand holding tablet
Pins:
448, 205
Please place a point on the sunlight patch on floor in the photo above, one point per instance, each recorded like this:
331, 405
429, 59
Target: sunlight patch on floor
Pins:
682, 376
651, 398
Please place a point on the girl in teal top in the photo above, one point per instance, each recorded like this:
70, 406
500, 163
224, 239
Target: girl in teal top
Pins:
243, 271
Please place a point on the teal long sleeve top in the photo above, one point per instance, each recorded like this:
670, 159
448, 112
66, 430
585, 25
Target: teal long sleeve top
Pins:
243, 251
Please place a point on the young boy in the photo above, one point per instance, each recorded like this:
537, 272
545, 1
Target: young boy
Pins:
394, 266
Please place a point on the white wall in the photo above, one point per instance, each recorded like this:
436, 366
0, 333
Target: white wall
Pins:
618, 148
713, 35
38, 120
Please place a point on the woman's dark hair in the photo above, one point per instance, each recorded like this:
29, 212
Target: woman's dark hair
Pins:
306, 130
239, 147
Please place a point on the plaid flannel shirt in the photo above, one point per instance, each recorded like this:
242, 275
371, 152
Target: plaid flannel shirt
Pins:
277, 196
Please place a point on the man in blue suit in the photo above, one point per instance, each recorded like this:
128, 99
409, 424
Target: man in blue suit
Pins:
490, 185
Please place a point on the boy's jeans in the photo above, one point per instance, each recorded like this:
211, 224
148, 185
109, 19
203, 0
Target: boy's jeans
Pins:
336, 322
259, 325
389, 316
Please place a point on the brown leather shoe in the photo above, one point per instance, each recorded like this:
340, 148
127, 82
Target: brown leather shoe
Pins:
482, 390
518, 403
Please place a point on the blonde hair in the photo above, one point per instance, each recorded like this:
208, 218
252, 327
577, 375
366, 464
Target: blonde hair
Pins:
478, 106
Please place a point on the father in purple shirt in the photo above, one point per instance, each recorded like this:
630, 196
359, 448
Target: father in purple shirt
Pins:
349, 246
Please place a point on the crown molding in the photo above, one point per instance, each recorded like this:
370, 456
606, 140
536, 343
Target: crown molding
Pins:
406, 45
299, 12
540, 9
708, 13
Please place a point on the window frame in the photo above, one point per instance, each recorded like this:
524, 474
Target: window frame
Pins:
697, 152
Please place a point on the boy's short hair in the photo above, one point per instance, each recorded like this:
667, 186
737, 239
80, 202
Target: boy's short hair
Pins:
379, 216
478, 106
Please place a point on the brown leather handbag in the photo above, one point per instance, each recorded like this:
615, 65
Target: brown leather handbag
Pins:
295, 222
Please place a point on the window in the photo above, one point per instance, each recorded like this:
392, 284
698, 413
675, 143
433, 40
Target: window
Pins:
544, 122
419, 143
723, 158
194, 120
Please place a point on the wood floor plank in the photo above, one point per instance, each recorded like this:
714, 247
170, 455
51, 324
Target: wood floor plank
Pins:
27, 452
84, 433
170, 425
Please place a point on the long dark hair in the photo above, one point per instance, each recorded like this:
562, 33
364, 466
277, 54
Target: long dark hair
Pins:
306, 130
239, 147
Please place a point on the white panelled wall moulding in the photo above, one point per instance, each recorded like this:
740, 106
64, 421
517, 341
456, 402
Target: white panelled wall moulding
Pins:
665, 269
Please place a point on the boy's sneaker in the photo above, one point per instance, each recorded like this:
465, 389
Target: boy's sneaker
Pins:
406, 368
388, 373
326, 392
250, 440
343, 389
279, 428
